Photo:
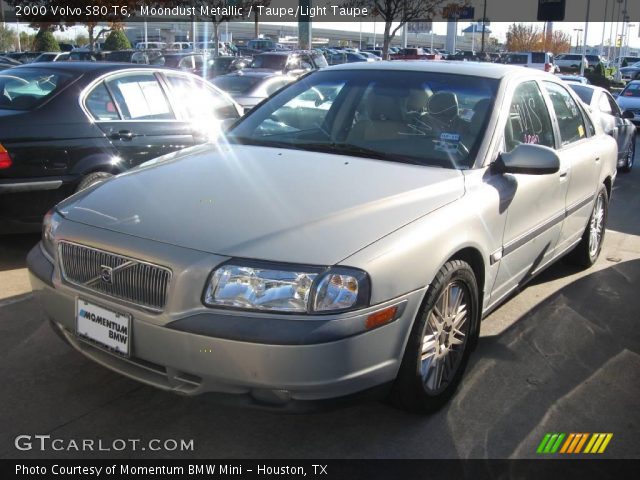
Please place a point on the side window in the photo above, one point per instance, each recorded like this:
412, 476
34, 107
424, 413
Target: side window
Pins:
537, 57
140, 97
603, 105
186, 63
199, 101
570, 120
293, 63
529, 120
100, 104
615, 108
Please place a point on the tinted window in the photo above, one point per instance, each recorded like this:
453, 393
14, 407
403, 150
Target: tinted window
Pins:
585, 93
140, 97
529, 120
425, 118
515, 59
236, 83
321, 62
273, 62
538, 57
100, 104
198, 101
615, 109
25, 89
567, 112
631, 90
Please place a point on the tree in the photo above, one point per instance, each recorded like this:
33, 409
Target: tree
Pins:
528, 38
117, 40
560, 42
399, 12
45, 41
523, 37
7, 38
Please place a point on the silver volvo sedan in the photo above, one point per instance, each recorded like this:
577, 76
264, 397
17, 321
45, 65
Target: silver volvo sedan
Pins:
346, 237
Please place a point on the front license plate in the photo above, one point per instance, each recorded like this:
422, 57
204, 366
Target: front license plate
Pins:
105, 328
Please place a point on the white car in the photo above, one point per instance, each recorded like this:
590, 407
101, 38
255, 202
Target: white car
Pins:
539, 60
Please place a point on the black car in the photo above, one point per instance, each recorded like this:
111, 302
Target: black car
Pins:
187, 62
67, 125
225, 64
23, 57
289, 62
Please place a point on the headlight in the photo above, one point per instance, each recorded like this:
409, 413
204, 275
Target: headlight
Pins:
294, 290
49, 226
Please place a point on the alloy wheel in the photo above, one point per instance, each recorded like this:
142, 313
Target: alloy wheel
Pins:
446, 333
596, 226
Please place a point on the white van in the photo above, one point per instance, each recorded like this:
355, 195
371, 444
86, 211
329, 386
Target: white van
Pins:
150, 45
538, 60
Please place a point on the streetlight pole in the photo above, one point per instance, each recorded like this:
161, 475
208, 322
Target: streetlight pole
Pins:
577, 30
604, 25
484, 19
584, 43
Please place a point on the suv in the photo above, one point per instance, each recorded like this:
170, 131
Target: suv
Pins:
293, 63
538, 60
570, 62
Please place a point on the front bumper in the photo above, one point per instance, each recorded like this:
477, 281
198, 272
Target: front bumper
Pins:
309, 361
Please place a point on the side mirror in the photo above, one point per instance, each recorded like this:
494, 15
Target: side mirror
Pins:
528, 159
628, 114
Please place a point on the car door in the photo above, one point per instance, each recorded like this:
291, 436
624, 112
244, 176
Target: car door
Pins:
535, 204
624, 129
581, 154
138, 119
205, 109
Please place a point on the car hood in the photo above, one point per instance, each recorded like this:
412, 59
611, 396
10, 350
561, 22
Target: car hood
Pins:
628, 102
266, 203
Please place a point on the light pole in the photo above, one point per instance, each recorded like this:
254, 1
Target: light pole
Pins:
604, 25
584, 43
577, 30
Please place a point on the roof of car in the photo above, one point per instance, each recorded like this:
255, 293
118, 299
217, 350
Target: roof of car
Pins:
258, 72
83, 67
481, 69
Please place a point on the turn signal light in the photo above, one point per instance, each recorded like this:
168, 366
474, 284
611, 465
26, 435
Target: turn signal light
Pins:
5, 159
380, 318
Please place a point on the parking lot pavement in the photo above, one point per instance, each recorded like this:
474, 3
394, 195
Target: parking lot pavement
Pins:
562, 356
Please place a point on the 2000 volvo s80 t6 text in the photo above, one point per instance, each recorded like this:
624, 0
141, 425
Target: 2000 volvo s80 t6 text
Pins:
347, 235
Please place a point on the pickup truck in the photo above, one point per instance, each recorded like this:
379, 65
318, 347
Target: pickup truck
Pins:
414, 54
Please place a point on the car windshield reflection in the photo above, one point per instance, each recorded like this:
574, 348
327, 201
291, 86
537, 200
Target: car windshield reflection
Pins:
424, 118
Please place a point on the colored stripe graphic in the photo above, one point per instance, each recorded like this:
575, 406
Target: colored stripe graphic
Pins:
573, 443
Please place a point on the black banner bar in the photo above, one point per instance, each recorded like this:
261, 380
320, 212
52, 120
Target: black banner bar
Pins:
547, 469
79, 11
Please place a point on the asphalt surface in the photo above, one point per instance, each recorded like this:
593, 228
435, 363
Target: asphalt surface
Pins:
561, 356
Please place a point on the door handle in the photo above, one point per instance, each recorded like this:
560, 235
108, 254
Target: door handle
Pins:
563, 175
597, 159
123, 135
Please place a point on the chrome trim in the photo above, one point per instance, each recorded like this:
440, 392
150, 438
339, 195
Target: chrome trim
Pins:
30, 186
142, 284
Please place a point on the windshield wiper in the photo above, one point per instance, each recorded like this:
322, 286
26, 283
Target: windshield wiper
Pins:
358, 151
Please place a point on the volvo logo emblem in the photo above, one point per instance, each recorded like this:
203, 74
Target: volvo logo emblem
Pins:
106, 274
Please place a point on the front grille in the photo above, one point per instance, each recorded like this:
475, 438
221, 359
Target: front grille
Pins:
117, 276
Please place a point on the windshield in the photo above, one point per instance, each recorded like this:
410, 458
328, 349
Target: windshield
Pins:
274, 62
236, 84
632, 90
423, 118
25, 89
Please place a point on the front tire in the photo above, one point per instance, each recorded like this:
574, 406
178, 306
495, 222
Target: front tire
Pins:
628, 165
587, 251
92, 179
440, 341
